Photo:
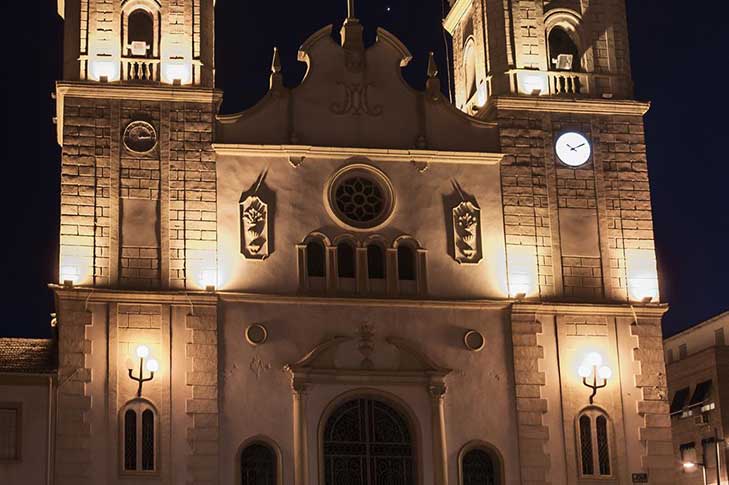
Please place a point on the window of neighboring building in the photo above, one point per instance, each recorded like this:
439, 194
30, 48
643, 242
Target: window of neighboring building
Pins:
682, 351
139, 440
10, 419
593, 431
701, 393
679, 400
368, 442
375, 262
315, 259
405, 263
258, 465
479, 468
345, 260
719, 337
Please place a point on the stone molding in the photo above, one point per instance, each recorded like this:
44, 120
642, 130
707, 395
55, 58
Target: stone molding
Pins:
639, 311
96, 295
565, 105
456, 14
379, 154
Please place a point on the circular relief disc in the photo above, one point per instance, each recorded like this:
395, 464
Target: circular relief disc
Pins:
256, 334
474, 341
140, 137
360, 196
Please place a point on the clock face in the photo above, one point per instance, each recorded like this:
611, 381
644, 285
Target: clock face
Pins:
140, 137
573, 149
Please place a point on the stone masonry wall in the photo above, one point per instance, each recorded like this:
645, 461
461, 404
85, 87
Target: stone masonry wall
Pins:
529, 380
73, 428
100, 177
202, 378
655, 433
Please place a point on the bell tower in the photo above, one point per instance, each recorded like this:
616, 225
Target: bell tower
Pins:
555, 76
135, 118
538, 48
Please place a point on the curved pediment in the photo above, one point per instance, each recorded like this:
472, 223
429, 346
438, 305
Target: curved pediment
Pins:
364, 356
353, 96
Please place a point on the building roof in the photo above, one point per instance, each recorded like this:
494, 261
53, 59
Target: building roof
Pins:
27, 356
697, 327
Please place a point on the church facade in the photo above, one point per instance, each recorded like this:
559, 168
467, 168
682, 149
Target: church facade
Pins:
356, 282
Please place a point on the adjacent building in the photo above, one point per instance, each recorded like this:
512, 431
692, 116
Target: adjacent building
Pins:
356, 282
697, 366
28, 384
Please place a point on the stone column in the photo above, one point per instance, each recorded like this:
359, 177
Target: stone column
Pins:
301, 455
440, 459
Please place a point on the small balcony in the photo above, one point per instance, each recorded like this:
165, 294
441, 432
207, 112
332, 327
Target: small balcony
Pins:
140, 69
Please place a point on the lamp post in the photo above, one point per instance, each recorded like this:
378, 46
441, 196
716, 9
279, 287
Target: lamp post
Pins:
593, 370
152, 367
690, 465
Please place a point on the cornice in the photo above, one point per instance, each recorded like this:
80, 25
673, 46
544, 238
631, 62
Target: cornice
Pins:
189, 94
106, 295
456, 14
380, 154
567, 105
618, 310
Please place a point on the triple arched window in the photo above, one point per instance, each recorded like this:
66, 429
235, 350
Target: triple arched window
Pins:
258, 465
594, 448
349, 266
139, 430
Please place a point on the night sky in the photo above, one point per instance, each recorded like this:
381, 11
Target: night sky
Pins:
679, 58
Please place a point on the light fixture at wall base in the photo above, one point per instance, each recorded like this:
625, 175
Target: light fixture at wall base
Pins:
210, 288
646, 300
177, 82
520, 296
68, 283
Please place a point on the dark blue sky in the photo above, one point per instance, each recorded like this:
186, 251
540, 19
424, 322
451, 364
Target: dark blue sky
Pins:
679, 63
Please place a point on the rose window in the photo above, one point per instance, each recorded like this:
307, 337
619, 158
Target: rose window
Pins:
360, 196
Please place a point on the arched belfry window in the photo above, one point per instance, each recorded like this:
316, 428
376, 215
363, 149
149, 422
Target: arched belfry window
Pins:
469, 68
140, 35
367, 442
315, 259
479, 467
139, 430
375, 262
346, 267
593, 432
258, 465
563, 52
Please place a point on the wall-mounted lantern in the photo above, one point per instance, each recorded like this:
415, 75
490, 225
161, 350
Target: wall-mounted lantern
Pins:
152, 366
592, 370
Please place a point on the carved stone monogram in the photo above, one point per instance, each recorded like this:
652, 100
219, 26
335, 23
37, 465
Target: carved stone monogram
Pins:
254, 228
356, 101
467, 233
257, 366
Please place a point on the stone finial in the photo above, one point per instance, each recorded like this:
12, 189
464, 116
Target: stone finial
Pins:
352, 32
432, 85
276, 74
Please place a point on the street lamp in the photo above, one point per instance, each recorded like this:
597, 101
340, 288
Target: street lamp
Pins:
691, 465
152, 366
593, 369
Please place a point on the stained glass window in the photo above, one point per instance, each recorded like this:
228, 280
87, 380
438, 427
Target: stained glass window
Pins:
139, 452
367, 442
603, 446
130, 440
588, 467
594, 443
148, 440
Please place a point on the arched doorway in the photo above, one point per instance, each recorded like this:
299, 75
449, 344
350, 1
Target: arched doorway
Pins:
367, 442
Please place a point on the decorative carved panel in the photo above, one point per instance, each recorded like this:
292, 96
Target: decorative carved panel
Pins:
254, 228
467, 233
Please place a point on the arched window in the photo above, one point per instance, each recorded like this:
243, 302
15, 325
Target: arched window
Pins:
594, 444
469, 68
345, 260
479, 468
140, 35
563, 52
258, 465
315, 259
139, 437
375, 262
406, 263
367, 442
